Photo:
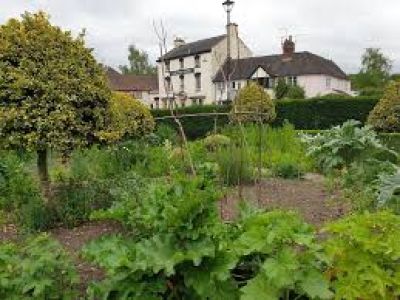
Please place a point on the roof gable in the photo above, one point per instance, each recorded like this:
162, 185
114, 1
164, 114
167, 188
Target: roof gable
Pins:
198, 47
259, 72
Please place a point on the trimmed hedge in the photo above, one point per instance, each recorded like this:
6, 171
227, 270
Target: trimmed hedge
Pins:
306, 114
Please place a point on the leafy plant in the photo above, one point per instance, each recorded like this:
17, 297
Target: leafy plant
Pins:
38, 270
177, 252
289, 258
364, 253
343, 145
389, 190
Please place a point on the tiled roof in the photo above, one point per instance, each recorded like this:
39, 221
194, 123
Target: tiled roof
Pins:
198, 47
126, 83
300, 63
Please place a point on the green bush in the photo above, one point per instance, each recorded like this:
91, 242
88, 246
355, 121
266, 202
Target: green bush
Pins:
253, 104
364, 252
287, 170
303, 114
38, 269
20, 194
216, 141
296, 92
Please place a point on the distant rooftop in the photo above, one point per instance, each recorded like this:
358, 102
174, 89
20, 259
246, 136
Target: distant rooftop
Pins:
297, 64
125, 83
197, 47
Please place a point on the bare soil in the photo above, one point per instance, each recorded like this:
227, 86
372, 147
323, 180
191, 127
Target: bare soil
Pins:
309, 197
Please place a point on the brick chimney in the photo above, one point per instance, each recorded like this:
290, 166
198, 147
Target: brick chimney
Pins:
178, 42
288, 47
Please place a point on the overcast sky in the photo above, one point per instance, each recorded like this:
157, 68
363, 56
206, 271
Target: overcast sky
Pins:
337, 29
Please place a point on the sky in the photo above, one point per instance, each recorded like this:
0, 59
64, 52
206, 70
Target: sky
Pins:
336, 29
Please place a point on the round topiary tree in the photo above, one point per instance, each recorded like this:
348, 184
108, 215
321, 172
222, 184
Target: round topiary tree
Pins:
53, 93
128, 118
386, 114
253, 104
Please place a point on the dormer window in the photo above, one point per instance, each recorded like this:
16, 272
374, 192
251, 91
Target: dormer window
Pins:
182, 63
197, 62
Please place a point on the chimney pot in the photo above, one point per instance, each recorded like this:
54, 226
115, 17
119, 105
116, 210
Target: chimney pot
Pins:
178, 42
288, 46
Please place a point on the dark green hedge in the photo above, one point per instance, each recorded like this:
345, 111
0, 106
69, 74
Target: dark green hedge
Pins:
303, 114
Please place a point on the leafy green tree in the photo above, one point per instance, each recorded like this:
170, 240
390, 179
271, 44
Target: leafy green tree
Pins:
281, 88
53, 93
253, 104
138, 63
386, 114
374, 73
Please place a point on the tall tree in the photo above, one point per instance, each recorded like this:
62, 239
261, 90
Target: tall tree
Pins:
138, 63
53, 93
375, 70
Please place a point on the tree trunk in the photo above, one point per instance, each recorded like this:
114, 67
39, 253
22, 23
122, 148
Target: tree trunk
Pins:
43, 172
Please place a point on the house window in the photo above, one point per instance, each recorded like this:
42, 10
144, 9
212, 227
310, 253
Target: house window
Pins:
197, 62
182, 63
292, 80
328, 82
165, 103
194, 101
198, 81
239, 85
183, 102
167, 66
182, 83
168, 83
201, 101
233, 85
157, 103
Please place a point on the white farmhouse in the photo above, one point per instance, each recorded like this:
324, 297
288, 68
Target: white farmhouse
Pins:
186, 73
316, 75
196, 73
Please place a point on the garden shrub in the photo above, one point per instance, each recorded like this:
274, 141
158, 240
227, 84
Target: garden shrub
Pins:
128, 118
39, 269
364, 252
216, 141
295, 92
386, 114
20, 194
253, 104
287, 170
